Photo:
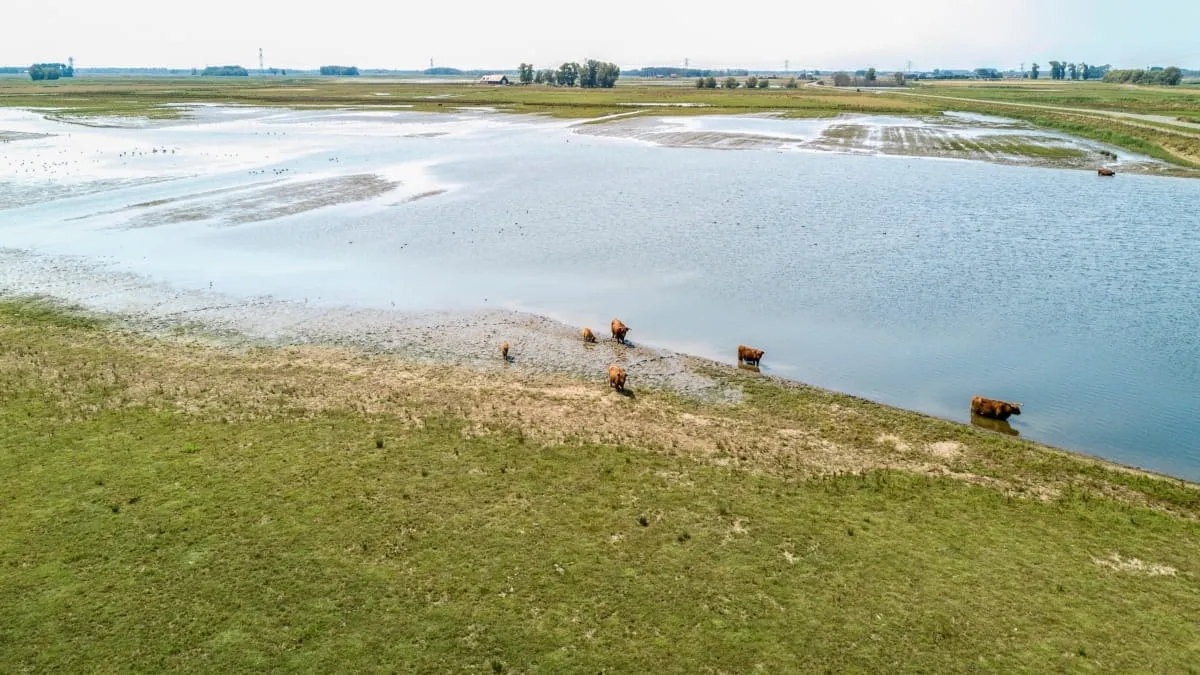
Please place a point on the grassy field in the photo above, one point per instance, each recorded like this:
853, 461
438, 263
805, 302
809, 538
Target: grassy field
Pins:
154, 96
1088, 110
171, 505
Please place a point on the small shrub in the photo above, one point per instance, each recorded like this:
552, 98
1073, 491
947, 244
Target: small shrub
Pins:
683, 536
643, 521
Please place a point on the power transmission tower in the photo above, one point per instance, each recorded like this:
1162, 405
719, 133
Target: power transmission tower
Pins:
786, 66
685, 62
262, 72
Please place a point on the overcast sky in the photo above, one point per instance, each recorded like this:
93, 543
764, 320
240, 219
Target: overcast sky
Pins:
477, 34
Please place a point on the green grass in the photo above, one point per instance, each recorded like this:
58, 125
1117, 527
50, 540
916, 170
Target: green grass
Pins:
151, 96
169, 506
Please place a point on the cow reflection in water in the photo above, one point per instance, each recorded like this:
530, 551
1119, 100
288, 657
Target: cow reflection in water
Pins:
990, 424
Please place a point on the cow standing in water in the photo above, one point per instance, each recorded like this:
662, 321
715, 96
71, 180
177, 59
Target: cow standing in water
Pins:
616, 377
619, 330
993, 409
749, 355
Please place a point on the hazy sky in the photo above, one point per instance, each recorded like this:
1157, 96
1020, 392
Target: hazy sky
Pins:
477, 34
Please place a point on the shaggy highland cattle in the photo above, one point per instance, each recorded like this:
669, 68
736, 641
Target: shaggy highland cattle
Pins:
616, 377
1105, 171
504, 350
749, 355
588, 336
619, 330
991, 408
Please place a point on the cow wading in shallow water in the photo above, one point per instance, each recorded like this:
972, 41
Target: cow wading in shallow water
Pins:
749, 355
993, 409
619, 330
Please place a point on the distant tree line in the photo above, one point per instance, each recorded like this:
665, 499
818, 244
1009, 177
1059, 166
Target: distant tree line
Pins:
225, 71
347, 71
671, 71
1061, 70
12, 70
441, 70
1169, 76
869, 78
589, 74
50, 71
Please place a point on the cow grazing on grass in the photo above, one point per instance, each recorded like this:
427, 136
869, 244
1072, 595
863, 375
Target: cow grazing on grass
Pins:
616, 377
504, 350
619, 330
993, 409
588, 335
749, 355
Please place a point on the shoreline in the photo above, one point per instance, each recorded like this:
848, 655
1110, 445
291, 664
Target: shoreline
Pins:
468, 338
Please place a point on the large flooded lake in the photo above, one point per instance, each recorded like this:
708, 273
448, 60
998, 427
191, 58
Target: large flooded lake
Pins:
917, 282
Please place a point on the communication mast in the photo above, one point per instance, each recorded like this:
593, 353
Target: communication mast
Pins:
262, 72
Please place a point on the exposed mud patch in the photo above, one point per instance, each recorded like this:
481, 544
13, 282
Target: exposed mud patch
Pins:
422, 195
976, 138
14, 195
261, 202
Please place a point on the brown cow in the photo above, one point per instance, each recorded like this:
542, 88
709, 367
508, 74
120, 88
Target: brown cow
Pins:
588, 336
1105, 171
504, 350
616, 377
619, 330
749, 355
997, 410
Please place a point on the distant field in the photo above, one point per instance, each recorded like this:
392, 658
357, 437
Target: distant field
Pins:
171, 506
1161, 132
150, 96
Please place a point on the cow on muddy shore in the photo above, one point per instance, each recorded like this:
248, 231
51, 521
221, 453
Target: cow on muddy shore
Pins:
619, 330
588, 335
616, 377
749, 355
994, 409
504, 350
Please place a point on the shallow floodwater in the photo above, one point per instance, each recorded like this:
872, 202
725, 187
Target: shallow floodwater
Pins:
915, 282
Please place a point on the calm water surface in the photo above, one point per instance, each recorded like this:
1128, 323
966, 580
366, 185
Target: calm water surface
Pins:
915, 282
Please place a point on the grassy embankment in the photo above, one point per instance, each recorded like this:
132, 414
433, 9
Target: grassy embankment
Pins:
1092, 104
173, 505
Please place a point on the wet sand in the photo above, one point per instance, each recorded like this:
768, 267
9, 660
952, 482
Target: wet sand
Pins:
466, 338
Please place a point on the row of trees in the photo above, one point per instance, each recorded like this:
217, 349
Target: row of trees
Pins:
50, 71
752, 82
346, 71
591, 74
1169, 76
1061, 70
672, 71
225, 71
867, 78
